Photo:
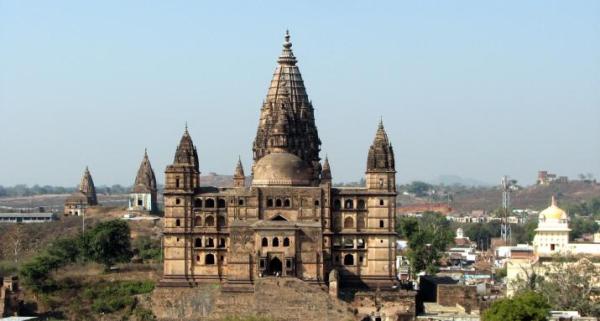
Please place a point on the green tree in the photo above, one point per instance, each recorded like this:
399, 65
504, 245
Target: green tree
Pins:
525, 306
418, 188
582, 225
109, 243
564, 274
428, 237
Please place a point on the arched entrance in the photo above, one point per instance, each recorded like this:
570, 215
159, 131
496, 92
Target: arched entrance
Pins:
275, 266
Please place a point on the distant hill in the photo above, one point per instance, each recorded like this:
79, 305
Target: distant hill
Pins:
450, 180
533, 197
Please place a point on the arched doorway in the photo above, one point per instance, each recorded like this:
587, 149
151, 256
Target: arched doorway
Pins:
275, 266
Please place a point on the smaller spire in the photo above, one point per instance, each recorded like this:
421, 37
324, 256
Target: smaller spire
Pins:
326, 171
186, 129
239, 178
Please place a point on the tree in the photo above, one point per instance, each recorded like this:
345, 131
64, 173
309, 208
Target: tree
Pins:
108, 243
582, 225
525, 306
418, 188
564, 274
428, 237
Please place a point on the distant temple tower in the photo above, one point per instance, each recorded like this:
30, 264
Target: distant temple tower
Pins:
84, 197
143, 196
239, 179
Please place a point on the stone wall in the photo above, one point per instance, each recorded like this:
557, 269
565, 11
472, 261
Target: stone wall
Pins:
452, 294
282, 299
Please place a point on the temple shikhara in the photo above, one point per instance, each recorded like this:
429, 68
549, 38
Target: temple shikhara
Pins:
85, 196
289, 221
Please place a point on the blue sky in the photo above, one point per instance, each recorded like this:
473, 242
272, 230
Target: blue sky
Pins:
478, 89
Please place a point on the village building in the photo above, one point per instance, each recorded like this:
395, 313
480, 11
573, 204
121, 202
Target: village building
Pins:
289, 221
85, 196
143, 196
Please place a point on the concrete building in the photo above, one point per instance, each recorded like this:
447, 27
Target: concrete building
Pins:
27, 217
290, 221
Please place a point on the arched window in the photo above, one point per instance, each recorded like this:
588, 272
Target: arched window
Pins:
210, 221
381, 224
381, 202
198, 242
221, 203
177, 201
210, 203
348, 222
221, 221
348, 259
198, 221
209, 259
275, 242
198, 202
222, 242
348, 243
287, 203
361, 204
360, 243
197, 258
317, 203
210, 242
286, 242
270, 202
240, 202
278, 203
177, 222
337, 204
265, 242
177, 182
349, 204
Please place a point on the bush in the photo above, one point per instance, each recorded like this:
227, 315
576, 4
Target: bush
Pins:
114, 296
529, 306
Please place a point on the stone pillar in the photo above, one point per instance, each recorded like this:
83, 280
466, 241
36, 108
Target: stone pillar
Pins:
334, 277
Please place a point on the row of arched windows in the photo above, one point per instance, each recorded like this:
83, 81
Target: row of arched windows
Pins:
275, 242
348, 259
209, 242
209, 203
349, 243
278, 202
209, 259
209, 221
349, 204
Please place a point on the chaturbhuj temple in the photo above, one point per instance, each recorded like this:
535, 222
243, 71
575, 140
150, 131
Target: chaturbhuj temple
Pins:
289, 221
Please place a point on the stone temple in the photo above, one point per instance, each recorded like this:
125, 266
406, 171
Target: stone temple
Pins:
143, 196
85, 196
290, 221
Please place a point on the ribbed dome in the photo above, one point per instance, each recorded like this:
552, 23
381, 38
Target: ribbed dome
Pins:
281, 169
553, 212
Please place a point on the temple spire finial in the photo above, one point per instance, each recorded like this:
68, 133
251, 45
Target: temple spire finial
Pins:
186, 127
553, 201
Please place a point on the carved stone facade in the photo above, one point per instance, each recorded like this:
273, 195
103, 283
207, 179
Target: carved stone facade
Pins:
85, 196
290, 221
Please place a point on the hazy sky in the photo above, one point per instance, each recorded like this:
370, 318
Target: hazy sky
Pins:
471, 88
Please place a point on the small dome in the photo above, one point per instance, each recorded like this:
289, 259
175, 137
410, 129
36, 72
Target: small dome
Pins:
281, 168
553, 212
